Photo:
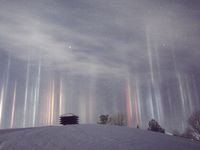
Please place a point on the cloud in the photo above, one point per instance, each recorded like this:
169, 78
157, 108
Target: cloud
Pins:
104, 37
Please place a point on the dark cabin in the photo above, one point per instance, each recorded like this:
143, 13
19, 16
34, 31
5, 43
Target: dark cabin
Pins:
69, 119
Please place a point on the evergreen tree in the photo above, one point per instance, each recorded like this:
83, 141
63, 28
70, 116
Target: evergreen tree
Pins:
154, 126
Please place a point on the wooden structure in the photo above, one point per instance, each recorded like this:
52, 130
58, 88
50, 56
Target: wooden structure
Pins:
69, 119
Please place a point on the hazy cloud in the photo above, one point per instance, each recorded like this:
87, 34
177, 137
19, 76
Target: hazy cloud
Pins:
105, 36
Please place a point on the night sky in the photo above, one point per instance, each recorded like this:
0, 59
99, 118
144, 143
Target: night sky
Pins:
91, 57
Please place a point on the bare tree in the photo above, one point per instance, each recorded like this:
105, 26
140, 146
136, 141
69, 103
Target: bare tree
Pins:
188, 133
103, 119
119, 119
193, 131
115, 119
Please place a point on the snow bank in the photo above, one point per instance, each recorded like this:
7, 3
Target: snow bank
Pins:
90, 137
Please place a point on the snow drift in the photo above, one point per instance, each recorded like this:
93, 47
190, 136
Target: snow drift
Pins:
90, 137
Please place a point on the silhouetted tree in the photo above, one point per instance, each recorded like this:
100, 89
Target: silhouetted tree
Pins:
154, 126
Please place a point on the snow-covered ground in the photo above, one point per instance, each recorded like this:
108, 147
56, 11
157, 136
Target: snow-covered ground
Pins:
90, 137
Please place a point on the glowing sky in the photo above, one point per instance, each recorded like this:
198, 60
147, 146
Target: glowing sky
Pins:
140, 57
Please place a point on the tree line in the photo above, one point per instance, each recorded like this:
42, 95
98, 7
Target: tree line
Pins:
192, 131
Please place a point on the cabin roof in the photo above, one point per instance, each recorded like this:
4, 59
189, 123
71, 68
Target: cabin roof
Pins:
67, 115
